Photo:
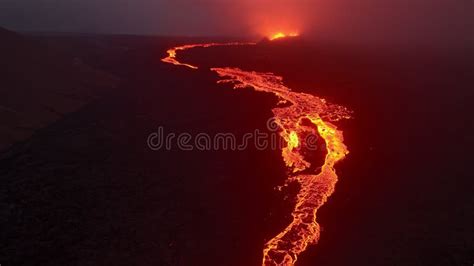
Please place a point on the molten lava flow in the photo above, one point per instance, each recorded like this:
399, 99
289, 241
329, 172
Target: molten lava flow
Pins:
172, 53
314, 188
171, 58
280, 35
306, 114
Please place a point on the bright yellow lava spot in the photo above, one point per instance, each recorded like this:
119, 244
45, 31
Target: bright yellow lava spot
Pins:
280, 35
293, 142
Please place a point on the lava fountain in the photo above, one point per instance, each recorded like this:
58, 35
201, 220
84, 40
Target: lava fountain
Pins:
281, 35
301, 115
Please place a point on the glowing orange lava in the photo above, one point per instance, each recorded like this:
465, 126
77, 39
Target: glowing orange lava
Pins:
280, 35
305, 114
171, 58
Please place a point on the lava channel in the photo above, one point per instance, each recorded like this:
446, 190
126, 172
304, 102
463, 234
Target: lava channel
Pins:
315, 188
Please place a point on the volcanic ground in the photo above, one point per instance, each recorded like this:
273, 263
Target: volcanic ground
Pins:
84, 188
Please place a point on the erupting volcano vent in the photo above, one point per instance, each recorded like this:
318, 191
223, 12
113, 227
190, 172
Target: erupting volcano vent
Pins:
292, 119
281, 35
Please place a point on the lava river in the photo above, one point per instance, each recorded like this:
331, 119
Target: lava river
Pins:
299, 115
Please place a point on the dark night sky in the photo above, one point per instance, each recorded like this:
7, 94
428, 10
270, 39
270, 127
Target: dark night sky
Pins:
380, 20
